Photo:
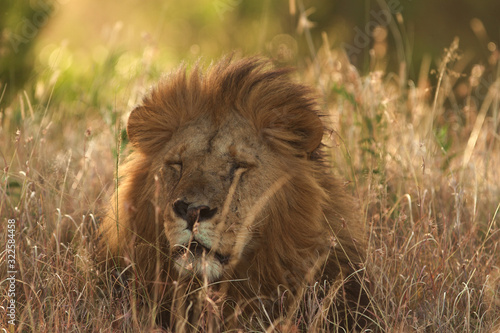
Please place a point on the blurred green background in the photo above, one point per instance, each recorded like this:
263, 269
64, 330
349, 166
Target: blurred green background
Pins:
71, 37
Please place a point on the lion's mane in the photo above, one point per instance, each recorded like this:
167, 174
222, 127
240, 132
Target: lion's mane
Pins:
307, 227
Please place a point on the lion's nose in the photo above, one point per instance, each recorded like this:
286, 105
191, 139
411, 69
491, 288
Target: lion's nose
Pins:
192, 213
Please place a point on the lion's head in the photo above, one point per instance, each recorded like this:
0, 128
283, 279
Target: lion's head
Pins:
226, 174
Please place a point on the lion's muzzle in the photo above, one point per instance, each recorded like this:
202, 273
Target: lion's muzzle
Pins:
193, 213
197, 252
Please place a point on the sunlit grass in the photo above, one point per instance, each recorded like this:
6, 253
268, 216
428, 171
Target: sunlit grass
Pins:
431, 200
428, 182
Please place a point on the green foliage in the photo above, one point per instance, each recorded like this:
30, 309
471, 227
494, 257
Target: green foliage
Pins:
20, 24
342, 92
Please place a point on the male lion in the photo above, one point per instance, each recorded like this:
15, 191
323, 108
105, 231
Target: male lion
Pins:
226, 191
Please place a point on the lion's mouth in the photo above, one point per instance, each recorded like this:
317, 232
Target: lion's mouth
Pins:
198, 250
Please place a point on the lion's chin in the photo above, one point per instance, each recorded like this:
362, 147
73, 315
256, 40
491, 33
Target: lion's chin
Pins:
197, 261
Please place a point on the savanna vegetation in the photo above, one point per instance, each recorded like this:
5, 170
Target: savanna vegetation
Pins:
417, 142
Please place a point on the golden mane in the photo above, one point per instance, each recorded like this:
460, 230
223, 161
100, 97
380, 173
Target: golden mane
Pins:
284, 111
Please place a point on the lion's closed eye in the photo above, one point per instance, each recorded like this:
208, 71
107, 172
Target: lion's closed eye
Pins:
240, 167
173, 165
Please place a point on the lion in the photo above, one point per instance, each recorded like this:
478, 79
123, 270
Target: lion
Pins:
226, 188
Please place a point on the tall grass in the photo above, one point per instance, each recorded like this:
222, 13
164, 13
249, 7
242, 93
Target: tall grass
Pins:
426, 174
428, 183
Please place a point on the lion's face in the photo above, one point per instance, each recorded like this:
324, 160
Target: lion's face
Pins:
211, 180
221, 147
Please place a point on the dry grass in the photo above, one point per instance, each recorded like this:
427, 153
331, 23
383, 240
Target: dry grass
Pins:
426, 173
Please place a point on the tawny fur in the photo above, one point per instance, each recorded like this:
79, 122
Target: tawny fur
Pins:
287, 222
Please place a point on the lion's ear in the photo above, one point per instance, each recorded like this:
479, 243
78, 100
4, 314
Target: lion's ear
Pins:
311, 132
147, 130
300, 130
